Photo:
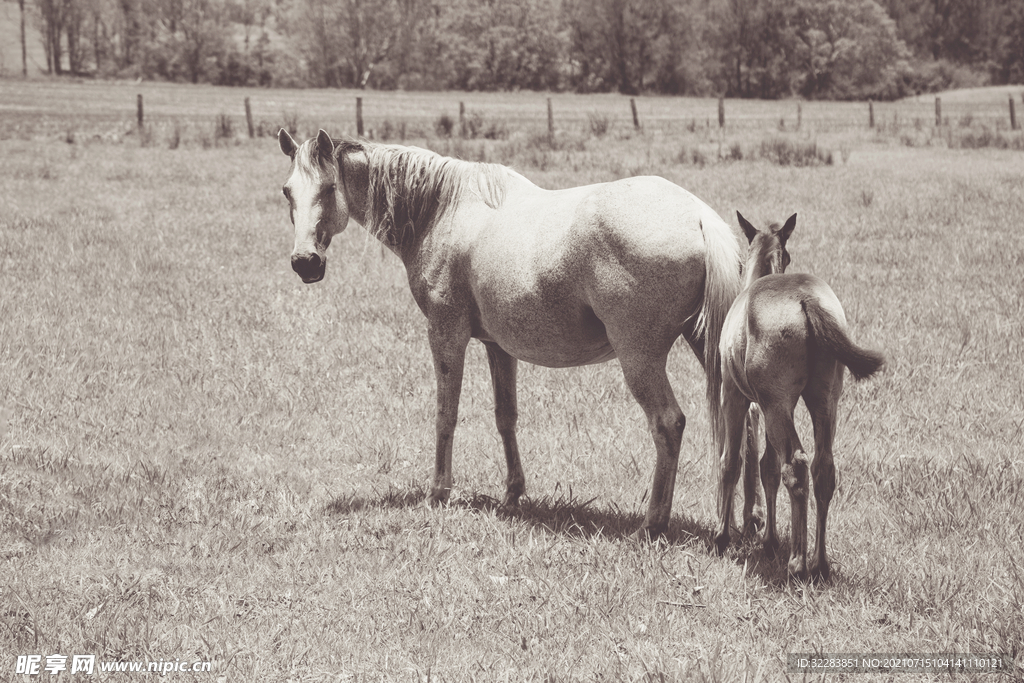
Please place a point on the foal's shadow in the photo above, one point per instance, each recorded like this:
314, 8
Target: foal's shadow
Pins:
572, 517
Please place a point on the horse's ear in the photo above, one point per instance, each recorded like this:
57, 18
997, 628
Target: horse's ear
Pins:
787, 229
749, 230
287, 142
325, 145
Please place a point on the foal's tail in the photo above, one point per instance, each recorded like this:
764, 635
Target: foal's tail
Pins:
721, 286
827, 332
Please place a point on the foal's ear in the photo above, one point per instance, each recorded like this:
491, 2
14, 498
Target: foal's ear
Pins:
749, 230
787, 229
287, 143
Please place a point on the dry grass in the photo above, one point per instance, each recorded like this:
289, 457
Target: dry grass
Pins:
208, 460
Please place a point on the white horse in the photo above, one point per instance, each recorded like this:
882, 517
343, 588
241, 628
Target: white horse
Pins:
784, 337
556, 278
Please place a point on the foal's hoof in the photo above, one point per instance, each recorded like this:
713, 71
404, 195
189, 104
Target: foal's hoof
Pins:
819, 571
771, 547
798, 568
753, 525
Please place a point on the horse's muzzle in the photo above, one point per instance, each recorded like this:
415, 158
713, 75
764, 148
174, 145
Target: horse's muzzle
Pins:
309, 267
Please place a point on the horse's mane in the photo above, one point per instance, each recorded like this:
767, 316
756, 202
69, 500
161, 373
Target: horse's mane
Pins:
410, 188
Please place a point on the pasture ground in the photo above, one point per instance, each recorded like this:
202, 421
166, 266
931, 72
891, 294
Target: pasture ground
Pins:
206, 460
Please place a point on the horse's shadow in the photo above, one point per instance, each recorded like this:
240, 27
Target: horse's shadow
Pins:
568, 516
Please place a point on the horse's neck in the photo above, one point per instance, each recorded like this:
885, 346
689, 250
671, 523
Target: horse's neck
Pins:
756, 269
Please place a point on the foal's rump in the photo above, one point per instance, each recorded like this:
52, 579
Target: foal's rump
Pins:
786, 308
828, 333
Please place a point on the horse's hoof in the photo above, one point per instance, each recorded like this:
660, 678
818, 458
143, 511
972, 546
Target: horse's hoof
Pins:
721, 542
646, 535
511, 501
771, 547
438, 497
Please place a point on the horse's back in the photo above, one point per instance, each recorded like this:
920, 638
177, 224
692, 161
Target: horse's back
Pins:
555, 273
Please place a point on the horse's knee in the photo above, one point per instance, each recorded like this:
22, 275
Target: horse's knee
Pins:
669, 427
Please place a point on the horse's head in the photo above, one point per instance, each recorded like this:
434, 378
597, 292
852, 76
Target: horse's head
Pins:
767, 253
319, 209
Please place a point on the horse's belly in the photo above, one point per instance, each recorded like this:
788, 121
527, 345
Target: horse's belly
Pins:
552, 337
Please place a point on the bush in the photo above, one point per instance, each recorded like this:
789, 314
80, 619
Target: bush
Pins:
600, 124
444, 126
475, 126
787, 153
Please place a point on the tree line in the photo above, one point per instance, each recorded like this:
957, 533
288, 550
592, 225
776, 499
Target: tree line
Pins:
827, 49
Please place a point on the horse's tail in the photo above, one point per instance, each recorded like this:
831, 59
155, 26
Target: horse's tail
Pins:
829, 334
721, 286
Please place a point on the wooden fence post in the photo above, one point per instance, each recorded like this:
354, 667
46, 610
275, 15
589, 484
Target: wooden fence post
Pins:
248, 118
359, 116
138, 107
871, 114
636, 119
462, 119
1013, 115
721, 112
551, 119
799, 116
938, 112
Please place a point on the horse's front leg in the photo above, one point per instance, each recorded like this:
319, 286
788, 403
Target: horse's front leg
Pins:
503, 377
448, 340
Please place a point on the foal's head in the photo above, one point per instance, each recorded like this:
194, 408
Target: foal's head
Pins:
767, 253
316, 201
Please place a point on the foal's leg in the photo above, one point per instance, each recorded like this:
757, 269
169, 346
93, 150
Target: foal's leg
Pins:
503, 377
753, 503
448, 341
783, 437
734, 413
647, 380
822, 400
771, 476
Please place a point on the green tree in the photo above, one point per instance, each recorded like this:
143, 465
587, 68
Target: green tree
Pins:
846, 49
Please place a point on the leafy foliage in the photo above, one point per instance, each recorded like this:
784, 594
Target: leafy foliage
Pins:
836, 49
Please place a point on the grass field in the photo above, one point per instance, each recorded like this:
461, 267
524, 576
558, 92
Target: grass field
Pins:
206, 460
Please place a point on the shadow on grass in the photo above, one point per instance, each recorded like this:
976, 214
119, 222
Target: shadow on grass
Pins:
571, 517
562, 514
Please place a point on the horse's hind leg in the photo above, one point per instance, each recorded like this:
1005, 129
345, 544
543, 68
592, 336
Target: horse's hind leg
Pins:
771, 476
648, 382
781, 433
503, 377
822, 400
734, 413
753, 504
